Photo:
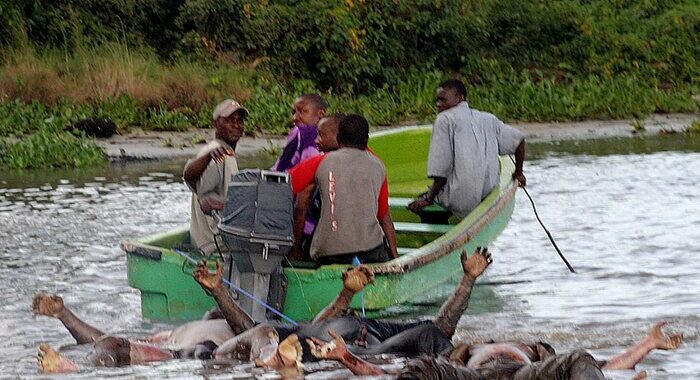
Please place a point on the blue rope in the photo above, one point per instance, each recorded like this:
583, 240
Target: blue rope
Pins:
238, 289
356, 263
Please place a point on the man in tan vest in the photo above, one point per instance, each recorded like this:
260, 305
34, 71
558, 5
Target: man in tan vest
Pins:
208, 175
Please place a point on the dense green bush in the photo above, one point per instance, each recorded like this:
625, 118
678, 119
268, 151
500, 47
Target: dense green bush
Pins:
162, 64
361, 45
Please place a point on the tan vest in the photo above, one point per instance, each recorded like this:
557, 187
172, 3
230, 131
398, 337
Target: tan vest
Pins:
349, 181
213, 182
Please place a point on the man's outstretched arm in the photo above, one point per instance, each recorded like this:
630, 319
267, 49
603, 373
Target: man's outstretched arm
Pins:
354, 280
52, 306
194, 168
237, 318
656, 339
453, 308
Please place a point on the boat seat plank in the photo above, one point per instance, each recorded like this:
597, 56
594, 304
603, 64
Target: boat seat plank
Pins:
403, 202
422, 228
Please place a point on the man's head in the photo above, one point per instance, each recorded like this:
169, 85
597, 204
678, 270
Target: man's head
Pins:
327, 139
353, 132
229, 119
450, 93
308, 109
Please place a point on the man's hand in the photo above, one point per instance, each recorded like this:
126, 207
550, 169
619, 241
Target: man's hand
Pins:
219, 154
333, 350
49, 305
209, 204
419, 204
475, 265
520, 177
207, 280
356, 279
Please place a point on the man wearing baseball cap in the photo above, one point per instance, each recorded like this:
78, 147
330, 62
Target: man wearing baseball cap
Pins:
208, 174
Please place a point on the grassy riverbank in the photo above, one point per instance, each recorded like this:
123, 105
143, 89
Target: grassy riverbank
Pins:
522, 61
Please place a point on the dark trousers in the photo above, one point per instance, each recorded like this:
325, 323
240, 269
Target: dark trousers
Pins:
423, 339
410, 338
379, 254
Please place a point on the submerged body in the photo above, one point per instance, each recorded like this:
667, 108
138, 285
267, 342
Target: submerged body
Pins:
261, 343
506, 361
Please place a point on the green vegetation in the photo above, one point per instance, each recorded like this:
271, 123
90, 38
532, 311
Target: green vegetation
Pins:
50, 149
638, 126
694, 128
162, 65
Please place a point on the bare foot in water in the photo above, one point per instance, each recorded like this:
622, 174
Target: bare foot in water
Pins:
357, 278
287, 356
663, 341
640, 376
51, 361
49, 305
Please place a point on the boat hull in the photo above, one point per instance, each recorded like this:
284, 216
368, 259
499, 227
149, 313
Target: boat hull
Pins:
168, 291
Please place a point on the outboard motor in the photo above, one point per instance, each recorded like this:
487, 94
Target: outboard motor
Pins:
257, 227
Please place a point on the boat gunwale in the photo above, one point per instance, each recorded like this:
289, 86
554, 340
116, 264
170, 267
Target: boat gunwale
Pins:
438, 248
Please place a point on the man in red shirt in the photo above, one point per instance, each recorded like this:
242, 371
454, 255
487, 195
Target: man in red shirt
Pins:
350, 224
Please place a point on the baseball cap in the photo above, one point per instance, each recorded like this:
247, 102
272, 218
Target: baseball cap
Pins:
227, 108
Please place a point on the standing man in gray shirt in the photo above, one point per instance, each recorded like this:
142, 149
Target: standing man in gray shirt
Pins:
464, 149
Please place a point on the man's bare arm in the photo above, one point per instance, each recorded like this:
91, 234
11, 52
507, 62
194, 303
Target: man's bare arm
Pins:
301, 208
237, 318
194, 169
428, 198
354, 280
519, 160
52, 306
656, 339
387, 225
453, 308
336, 350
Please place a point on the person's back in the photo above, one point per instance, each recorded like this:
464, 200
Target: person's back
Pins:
464, 148
478, 139
349, 181
354, 194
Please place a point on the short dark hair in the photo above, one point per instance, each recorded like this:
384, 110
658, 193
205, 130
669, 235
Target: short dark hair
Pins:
456, 85
353, 130
335, 118
317, 100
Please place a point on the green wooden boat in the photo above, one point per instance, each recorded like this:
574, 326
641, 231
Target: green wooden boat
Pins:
429, 253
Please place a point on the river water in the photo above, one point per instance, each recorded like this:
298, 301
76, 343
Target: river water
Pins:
625, 212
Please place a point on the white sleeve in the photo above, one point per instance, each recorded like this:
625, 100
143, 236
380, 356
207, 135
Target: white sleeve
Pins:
441, 154
508, 137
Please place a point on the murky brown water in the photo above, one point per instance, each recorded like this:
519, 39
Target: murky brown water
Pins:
625, 212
